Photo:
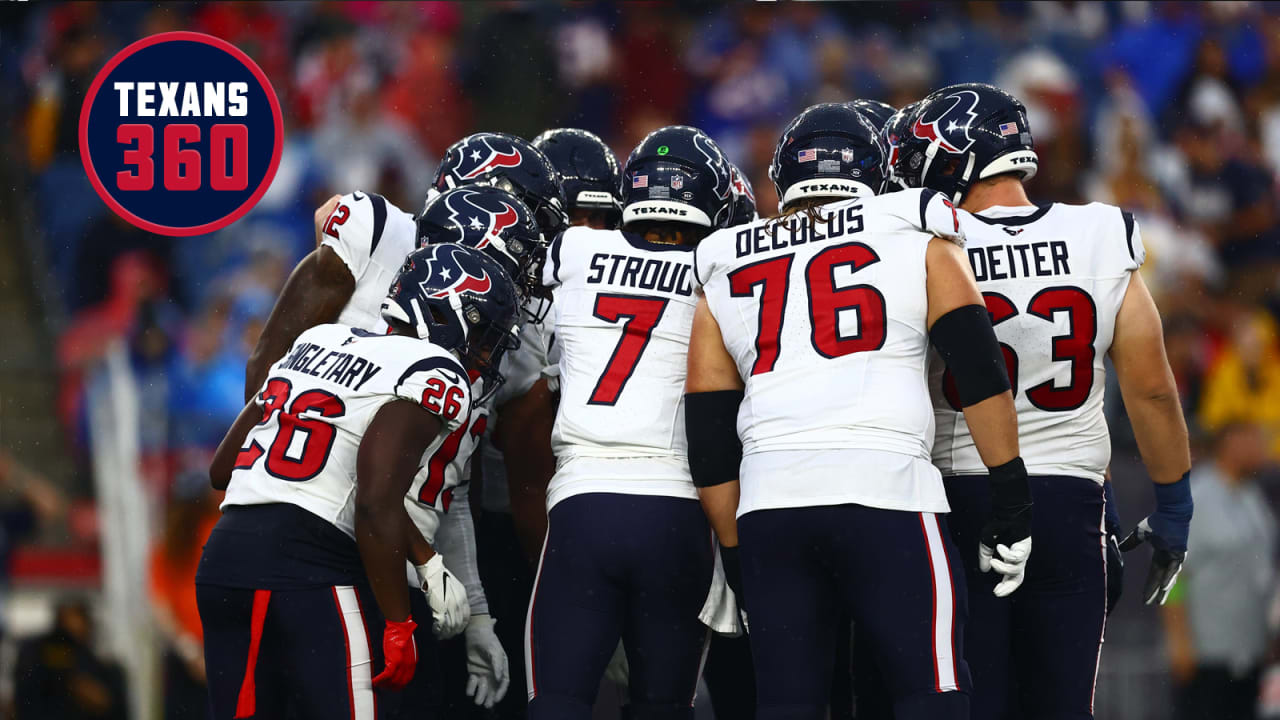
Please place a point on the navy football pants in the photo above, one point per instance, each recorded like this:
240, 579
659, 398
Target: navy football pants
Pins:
1035, 654
896, 573
272, 654
634, 567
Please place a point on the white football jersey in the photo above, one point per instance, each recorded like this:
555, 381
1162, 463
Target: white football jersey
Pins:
372, 237
317, 403
826, 320
538, 356
1053, 279
624, 309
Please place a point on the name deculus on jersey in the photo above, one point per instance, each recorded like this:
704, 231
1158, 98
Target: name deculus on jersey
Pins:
798, 230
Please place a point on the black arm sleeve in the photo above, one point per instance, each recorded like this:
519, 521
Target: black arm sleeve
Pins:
711, 427
967, 343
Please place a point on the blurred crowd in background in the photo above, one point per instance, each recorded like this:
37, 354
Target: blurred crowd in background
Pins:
1170, 110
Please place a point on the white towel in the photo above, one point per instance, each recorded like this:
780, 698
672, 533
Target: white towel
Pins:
720, 611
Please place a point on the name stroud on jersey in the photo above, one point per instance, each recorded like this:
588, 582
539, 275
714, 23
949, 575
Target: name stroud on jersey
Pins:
345, 369
763, 237
645, 273
1050, 258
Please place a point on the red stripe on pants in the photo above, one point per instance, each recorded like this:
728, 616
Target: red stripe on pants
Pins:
246, 703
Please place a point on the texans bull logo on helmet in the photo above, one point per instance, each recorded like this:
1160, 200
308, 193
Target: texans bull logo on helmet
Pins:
450, 272
482, 153
740, 186
950, 128
715, 159
471, 210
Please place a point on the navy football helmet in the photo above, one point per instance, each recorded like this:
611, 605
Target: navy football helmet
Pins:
828, 151
890, 135
965, 133
589, 171
510, 163
744, 198
677, 174
874, 111
461, 300
489, 219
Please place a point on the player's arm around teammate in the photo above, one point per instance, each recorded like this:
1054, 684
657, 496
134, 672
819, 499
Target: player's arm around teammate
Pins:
960, 329
316, 291
1151, 399
713, 392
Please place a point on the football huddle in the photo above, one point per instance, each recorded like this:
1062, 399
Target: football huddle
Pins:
737, 443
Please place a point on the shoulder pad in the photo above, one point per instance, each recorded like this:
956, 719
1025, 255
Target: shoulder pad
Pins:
924, 210
717, 250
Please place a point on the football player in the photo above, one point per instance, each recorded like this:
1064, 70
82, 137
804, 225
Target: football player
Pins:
505, 229
513, 515
303, 551
809, 421
361, 242
589, 174
628, 552
1062, 289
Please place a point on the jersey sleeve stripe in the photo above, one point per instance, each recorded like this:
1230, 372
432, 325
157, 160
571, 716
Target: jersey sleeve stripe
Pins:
697, 278
1128, 231
925, 198
428, 364
555, 257
379, 219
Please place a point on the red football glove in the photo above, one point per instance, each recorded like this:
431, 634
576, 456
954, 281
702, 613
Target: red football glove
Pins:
400, 653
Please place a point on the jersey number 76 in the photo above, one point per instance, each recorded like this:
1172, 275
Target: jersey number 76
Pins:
826, 302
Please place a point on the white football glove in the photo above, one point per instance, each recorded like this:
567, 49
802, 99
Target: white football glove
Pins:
450, 608
487, 671
1011, 562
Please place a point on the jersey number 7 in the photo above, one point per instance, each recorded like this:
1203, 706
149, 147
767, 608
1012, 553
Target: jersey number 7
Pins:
639, 315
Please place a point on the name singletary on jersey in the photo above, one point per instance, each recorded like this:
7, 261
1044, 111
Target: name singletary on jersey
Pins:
1053, 278
825, 316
